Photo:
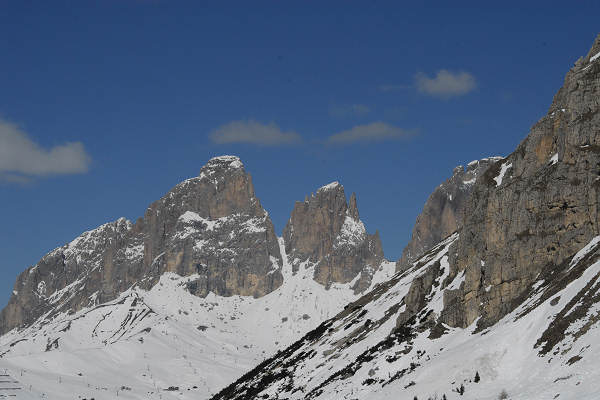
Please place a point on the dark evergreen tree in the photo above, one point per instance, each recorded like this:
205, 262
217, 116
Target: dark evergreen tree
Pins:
477, 378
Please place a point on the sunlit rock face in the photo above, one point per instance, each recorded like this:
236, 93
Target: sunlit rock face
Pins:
325, 230
530, 212
211, 226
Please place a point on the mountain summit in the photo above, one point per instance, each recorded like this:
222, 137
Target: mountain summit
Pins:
201, 276
506, 307
325, 230
212, 226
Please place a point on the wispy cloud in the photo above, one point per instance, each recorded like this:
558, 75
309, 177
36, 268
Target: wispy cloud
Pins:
373, 132
22, 159
446, 84
343, 111
253, 132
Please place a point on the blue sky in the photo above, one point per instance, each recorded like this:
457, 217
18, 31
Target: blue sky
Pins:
105, 105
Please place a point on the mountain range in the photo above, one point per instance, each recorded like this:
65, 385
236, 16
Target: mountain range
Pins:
495, 296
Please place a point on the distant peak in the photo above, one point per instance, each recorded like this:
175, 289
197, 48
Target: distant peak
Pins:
221, 163
231, 161
330, 186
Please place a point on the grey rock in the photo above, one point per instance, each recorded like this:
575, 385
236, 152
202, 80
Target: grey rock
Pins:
443, 211
212, 226
533, 210
326, 231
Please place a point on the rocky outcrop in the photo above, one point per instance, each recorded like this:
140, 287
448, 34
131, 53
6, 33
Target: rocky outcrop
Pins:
75, 275
325, 230
530, 212
528, 244
212, 227
443, 212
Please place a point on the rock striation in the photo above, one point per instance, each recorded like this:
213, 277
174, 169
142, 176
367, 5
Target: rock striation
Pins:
532, 211
521, 276
211, 227
443, 211
326, 231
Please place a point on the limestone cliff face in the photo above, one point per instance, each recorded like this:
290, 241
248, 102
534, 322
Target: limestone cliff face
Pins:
326, 231
211, 226
214, 226
530, 212
443, 212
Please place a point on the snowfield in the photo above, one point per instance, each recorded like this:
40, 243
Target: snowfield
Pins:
166, 343
355, 355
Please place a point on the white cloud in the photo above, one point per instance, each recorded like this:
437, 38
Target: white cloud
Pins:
446, 84
21, 158
376, 131
342, 111
253, 132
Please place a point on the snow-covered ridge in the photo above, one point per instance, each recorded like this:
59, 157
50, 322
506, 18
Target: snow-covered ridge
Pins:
475, 162
230, 161
166, 337
330, 186
90, 240
361, 354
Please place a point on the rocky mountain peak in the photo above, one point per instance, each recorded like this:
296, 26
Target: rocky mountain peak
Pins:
212, 227
517, 285
533, 210
443, 211
325, 231
333, 186
222, 164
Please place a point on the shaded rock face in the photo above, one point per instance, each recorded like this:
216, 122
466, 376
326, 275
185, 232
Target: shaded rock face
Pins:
443, 212
326, 231
533, 210
211, 226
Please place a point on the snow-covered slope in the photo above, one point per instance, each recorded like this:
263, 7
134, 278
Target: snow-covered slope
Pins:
147, 341
548, 348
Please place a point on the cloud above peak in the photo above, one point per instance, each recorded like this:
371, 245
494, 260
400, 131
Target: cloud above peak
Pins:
373, 132
253, 132
446, 84
21, 158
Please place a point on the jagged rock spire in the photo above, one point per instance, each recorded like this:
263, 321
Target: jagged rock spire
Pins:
353, 208
326, 231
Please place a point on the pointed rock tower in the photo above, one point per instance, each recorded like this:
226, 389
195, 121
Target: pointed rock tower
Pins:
326, 232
